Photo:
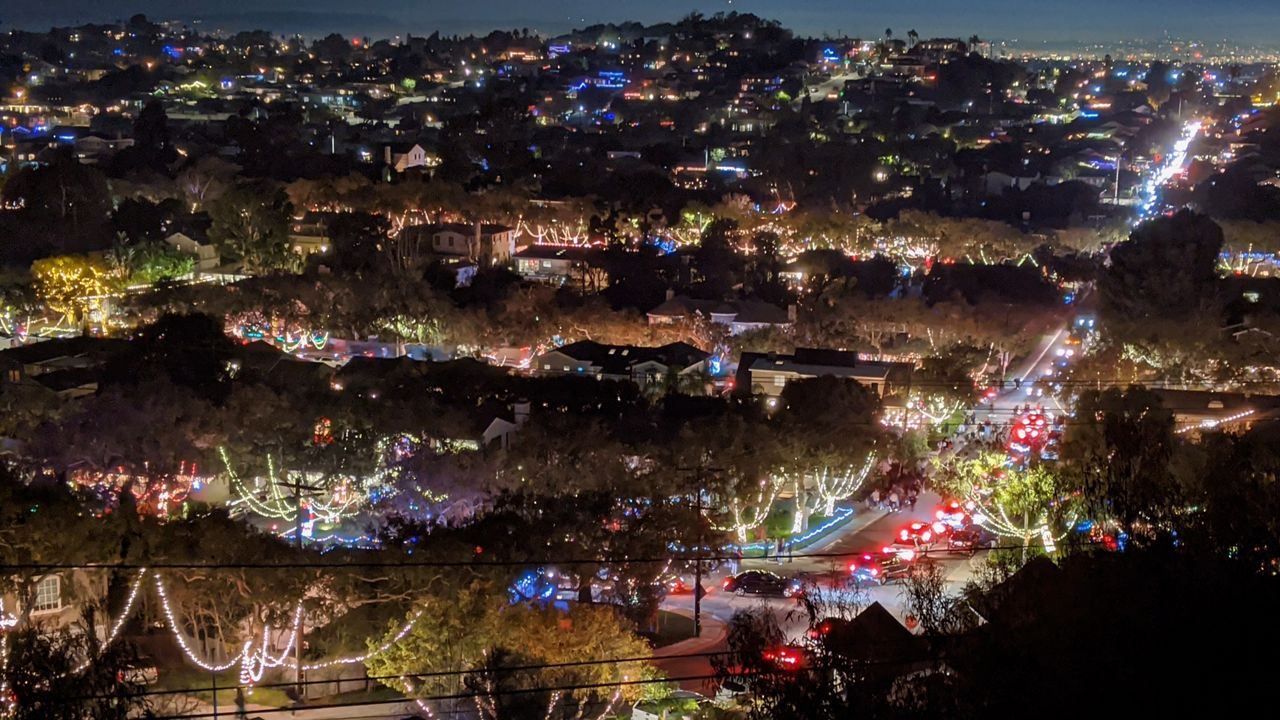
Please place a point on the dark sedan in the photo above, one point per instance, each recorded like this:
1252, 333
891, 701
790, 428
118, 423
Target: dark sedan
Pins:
760, 582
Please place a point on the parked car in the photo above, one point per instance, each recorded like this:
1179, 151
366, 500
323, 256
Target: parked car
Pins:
970, 540
678, 705
920, 534
761, 582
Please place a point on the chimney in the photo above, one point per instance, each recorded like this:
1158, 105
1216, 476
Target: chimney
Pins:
671, 294
792, 311
520, 409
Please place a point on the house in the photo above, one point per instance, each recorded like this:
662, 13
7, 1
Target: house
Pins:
206, 255
739, 316
768, 374
645, 366
491, 425
309, 233
481, 243
874, 638
1198, 410
402, 157
48, 356
559, 265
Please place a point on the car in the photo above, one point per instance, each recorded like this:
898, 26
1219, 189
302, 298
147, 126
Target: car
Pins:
970, 540
731, 691
920, 534
954, 514
679, 704
882, 566
675, 584
762, 582
786, 657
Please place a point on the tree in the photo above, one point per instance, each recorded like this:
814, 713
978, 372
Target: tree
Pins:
64, 206
1017, 501
1166, 271
829, 428
72, 284
45, 681
1119, 454
206, 180
251, 223
151, 136
468, 639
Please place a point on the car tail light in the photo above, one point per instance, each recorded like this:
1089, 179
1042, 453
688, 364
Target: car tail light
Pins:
939, 527
926, 536
940, 514
904, 534
727, 583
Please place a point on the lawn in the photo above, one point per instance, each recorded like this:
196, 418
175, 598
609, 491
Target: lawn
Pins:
199, 684
672, 628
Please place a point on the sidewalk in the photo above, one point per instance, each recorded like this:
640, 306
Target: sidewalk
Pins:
862, 518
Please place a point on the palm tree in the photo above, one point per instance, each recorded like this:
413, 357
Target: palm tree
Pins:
913, 37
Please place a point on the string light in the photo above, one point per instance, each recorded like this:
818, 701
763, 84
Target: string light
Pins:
182, 641
118, 625
354, 659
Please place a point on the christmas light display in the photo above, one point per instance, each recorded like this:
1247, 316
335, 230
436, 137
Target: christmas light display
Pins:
118, 625
755, 512
154, 495
273, 497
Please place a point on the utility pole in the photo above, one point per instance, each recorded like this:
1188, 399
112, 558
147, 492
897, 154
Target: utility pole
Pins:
1119, 162
697, 569
699, 478
298, 489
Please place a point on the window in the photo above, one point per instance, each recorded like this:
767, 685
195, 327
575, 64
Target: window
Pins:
48, 594
779, 380
15, 376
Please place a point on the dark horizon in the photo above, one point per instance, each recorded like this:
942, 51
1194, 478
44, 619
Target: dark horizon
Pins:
1026, 21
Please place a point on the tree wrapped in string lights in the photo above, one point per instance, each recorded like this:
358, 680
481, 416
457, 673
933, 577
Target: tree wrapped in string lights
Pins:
1024, 502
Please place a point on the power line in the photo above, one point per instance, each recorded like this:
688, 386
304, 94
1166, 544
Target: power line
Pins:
436, 563
466, 696
436, 673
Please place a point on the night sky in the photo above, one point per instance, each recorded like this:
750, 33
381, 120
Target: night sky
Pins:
1253, 21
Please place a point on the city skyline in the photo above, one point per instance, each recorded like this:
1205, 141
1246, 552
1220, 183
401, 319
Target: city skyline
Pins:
1032, 21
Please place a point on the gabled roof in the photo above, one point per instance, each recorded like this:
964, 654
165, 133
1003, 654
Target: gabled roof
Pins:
874, 636
619, 359
744, 311
47, 350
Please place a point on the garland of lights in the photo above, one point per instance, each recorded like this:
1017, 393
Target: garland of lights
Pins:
118, 625
834, 485
284, 507
7, 623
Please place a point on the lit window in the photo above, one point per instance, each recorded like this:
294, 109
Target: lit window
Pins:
48, 594
779, 380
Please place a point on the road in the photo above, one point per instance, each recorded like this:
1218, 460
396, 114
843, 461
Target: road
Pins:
870, 530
